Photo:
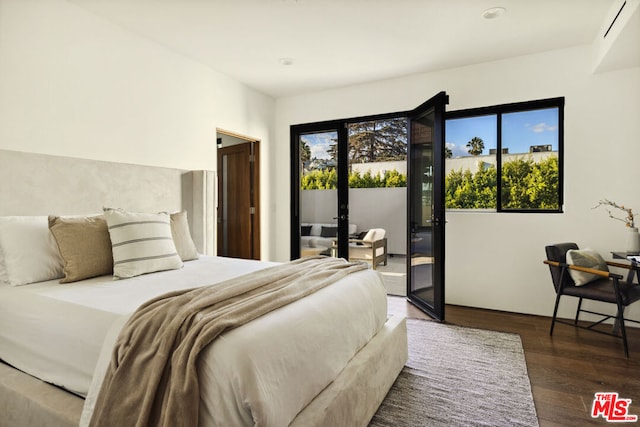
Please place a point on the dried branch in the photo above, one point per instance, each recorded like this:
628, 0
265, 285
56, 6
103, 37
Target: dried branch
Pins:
628, 220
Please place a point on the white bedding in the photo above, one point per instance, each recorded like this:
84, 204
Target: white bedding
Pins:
262, 373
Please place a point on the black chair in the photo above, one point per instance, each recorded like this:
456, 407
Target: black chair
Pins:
608, 287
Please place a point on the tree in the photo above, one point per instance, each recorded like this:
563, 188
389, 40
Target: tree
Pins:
378, 140
530, 185
465, 190
305, 151
333, 150
448, 153
475, 146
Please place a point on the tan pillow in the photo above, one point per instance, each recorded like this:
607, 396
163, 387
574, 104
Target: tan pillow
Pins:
84, 245
585, 258
182, 236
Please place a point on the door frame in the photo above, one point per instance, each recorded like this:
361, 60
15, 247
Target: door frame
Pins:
223, 136
438, 221
343, 194
342, 214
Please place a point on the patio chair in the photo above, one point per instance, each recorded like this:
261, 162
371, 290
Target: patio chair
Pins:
372, 247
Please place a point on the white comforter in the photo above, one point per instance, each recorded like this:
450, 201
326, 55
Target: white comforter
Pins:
262, 373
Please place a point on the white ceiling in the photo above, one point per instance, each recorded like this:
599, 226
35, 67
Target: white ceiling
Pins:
335, 43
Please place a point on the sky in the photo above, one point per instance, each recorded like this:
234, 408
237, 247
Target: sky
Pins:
519, 131
319, 143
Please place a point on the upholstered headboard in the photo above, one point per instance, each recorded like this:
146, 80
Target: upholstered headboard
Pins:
38, 184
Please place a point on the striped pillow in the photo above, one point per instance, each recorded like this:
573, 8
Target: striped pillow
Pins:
141, 243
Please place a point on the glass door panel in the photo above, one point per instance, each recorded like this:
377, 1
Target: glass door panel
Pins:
377, 164
425, 239
318, 193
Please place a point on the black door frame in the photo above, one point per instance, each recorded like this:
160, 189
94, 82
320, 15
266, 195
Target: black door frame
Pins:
342, 215
340, 126
438, 104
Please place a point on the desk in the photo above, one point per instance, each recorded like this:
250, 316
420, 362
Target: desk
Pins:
632, 266
627, 264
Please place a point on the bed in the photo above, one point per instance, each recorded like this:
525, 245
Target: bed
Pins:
56, 338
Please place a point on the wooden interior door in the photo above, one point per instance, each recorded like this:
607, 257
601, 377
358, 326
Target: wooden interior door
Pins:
238, 220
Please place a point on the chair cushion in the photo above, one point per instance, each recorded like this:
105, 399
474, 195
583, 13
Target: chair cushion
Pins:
585, 258
370, 236
602, 290
374, 234
316, 228
360, 236
329, 231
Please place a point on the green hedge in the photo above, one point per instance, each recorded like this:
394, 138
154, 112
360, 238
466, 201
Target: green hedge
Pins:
327, 180
525, 185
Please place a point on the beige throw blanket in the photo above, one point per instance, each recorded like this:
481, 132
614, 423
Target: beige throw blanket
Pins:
152, 378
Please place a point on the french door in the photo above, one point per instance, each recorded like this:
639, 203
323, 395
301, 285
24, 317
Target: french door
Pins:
319, 219
426, 207
323, 161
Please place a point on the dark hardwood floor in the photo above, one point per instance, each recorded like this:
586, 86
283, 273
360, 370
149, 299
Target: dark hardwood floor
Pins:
565, 369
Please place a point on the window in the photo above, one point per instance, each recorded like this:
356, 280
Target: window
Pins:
506, 158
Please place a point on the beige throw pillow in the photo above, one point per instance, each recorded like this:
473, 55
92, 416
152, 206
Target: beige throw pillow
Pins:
585, 258
182, 236
84, 245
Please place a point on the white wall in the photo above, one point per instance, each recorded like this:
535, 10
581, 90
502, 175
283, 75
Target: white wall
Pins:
494, 260
73, 84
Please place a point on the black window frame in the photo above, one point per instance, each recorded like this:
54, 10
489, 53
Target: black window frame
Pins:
516, 107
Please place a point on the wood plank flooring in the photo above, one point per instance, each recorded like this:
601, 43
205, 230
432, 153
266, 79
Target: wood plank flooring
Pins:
565, 369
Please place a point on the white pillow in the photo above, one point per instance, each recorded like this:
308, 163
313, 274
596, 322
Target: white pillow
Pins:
585, 258
182, 236
28, 251
141, 242
4, 279
374, 234
370, 236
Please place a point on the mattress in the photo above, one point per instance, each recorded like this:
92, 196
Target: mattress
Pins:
264, 372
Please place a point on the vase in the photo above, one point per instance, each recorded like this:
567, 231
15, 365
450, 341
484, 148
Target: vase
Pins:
633, 241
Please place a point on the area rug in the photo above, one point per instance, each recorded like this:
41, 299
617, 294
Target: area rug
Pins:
458, 376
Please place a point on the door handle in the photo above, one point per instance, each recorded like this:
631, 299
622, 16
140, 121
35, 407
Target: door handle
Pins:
341, 217
435, 221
